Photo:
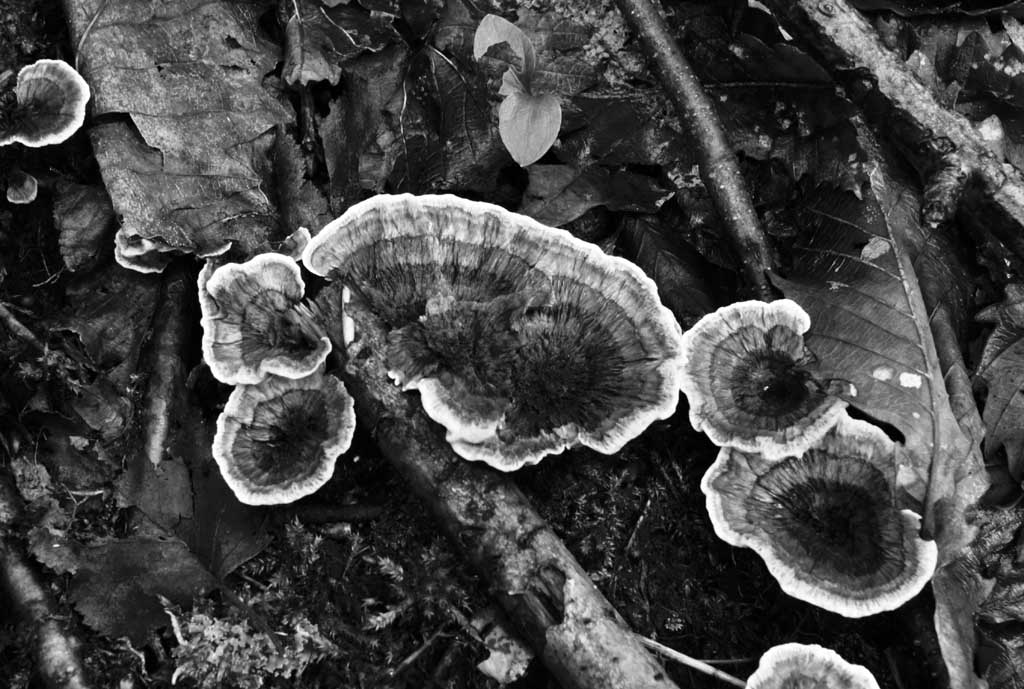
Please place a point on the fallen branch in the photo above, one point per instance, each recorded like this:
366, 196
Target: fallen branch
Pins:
168, 345
54, 647
719, 168
942, 145
582, 640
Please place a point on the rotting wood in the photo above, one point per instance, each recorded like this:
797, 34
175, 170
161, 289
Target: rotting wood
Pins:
53, 645
547, 594
719, 167
943, 146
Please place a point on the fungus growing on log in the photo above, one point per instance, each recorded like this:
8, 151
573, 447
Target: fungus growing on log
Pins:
255, 324
49, 105
277, 441
748, 386
522, 340
826, 523
796, 666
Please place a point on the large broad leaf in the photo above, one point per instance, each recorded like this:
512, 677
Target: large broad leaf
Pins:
855, 264
187, 172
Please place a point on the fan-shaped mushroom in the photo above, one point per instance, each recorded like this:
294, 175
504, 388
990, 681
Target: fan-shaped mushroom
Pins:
49, 107
745, 378
255, 324
522, 340
826, 523
794, 666
277, 441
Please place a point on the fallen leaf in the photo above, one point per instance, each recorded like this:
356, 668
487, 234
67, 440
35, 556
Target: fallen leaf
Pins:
188, 76
1001, 371
319, 39
85, 218
558, 194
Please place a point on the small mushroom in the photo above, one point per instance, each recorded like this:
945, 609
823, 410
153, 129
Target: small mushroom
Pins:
746, 377
798, 666
255, 324
826, 523
522, 340
49, 106
21, 187
278, 441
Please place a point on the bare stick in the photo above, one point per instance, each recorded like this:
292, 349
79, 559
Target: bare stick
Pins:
698, 665
719, 168
168, 367
54, 647
19, 330
943, 145
582, 640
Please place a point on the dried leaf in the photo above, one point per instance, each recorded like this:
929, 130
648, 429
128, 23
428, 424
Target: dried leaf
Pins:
1001, 370
299, 201
319, 40
84, 217
116, 584
558, 194
189, 173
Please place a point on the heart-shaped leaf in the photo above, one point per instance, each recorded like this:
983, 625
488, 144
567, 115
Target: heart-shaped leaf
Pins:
494, 30
528, 125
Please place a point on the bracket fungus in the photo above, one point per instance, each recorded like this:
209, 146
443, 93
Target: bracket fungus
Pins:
255, 324
277, 441
825, 523
795, 666
48, 107
522, 340
747, 384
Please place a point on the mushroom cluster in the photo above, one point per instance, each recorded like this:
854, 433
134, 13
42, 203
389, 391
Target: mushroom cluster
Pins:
811, 490
286, 422
522, 340
45, 107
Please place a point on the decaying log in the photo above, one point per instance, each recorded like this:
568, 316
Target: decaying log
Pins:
579, 636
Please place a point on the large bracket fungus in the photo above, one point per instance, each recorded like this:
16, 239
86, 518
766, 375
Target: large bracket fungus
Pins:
255, 324
745, 378
798, 666
522, 340
826, 523
278, 441
50, 98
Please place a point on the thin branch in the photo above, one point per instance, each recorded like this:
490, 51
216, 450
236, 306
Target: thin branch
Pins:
548, 596
693, 663
168, 345
719, 167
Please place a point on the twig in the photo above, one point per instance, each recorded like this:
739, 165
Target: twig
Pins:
683, 659
943, 145
168, 367
582, 640
55, 648
719, 168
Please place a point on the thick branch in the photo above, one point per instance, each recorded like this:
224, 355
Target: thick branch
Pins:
583, 641
54, 647
945, 148
719, 168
